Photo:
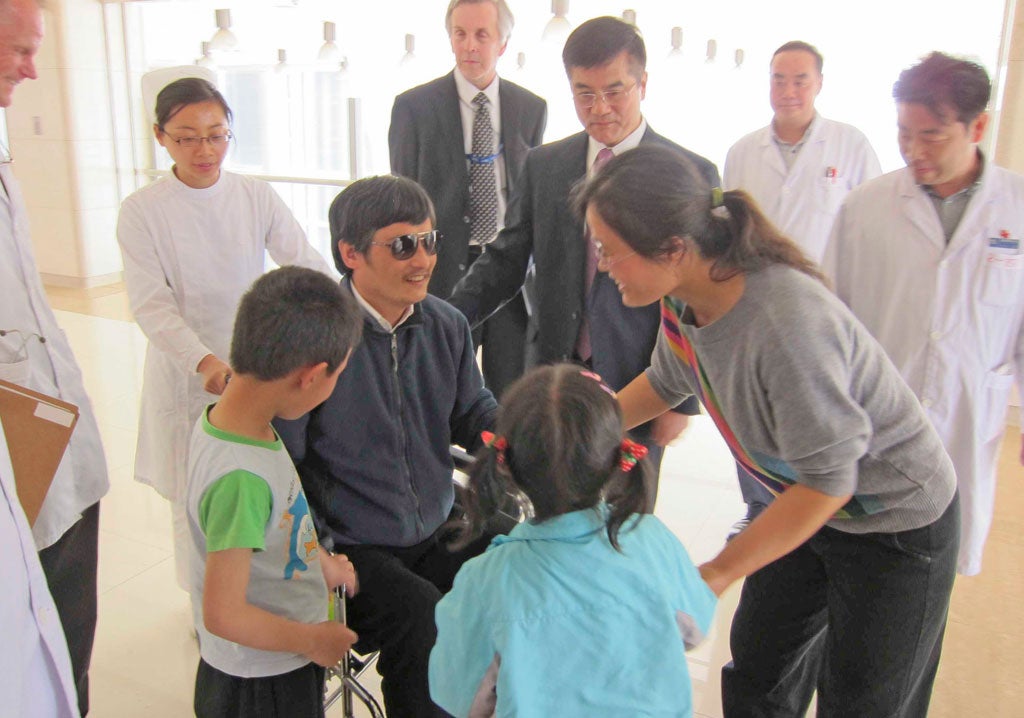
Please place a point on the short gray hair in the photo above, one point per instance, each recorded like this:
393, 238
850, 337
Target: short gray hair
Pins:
506, 21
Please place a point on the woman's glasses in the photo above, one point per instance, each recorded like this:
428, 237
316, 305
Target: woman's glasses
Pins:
216, 141
404, 246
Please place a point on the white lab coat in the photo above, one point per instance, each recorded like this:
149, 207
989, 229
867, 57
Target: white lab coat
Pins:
950, 317
35, 669
802, 202
189, 256
81, 479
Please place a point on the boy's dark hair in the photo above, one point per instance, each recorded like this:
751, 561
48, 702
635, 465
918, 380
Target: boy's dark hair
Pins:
599, 41
186, 91
370, 204
563, 430
939, 82
293, 317
801, 46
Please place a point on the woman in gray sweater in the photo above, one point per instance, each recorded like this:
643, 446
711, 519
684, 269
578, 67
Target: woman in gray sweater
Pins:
849, 571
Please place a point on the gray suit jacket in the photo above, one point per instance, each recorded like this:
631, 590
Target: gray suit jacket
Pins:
542, 228
426, 144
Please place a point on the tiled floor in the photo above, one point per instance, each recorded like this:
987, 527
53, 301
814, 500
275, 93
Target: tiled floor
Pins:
145, 656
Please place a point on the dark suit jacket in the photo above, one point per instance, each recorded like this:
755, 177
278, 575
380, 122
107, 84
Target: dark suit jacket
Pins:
542, 227
426, 144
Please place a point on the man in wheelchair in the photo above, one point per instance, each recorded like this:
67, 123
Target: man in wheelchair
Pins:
374, 458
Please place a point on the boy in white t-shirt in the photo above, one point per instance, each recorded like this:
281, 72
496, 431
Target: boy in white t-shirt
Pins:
259, 579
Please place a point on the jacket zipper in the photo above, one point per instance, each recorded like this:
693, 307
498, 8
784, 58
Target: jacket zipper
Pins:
401, 427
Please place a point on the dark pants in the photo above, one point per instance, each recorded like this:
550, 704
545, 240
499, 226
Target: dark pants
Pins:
502, 339
860, 617
70, 568
297, 694
754, 494
394, 613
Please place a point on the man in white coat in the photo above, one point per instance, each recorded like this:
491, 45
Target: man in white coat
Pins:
35, 353
799, 169
929, 258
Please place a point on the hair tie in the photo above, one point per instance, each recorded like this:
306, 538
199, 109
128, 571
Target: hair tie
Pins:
597, 377
498, 443
630, 453
717, 197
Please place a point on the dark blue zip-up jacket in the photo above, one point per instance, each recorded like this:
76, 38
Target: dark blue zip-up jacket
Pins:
374, 458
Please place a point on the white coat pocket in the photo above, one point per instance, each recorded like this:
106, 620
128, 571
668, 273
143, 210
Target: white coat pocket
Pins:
1001, 278
16, 372
996, 397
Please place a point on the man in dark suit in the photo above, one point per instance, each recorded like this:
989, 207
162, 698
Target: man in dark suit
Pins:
577, 311
435, 138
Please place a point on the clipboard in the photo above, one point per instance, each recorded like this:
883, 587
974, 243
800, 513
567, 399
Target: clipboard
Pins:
38, 428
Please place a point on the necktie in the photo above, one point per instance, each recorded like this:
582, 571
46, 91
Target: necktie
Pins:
583, 349
483, 192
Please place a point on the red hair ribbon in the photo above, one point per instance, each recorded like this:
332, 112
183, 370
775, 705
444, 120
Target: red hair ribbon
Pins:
632, 452
498, 443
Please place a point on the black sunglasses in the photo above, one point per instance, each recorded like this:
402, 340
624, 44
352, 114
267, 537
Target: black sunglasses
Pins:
404, 246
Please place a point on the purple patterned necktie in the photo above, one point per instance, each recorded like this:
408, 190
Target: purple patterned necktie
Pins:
583, 349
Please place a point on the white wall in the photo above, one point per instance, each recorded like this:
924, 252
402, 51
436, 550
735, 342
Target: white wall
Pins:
71, 130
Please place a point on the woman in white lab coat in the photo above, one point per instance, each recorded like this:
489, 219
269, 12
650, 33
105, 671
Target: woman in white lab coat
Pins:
192, 243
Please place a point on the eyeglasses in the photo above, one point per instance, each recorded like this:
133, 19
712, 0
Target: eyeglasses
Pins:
404, 246
604, 259
587, 100
191, 143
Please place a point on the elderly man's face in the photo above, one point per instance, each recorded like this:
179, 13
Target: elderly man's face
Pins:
21, 34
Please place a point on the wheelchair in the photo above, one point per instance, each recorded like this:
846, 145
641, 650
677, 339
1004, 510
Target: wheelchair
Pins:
353, 665
348, 671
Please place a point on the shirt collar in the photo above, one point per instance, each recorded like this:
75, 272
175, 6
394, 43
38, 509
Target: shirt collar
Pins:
576, 526
377, 316
798, 143
966, 191
630, 142
467, 90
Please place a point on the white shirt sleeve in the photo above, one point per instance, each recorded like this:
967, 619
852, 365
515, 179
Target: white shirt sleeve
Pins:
152, 302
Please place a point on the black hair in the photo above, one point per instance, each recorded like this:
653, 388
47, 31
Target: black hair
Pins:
187, 91
801, 46
600, 40
654, 197
293, 317
370, 204
940, 81
563, 430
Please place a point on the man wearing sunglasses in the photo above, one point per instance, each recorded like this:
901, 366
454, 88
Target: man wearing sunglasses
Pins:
576, 311
374, 458
464, 137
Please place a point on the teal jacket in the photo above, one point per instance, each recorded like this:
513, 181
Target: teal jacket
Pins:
552, 621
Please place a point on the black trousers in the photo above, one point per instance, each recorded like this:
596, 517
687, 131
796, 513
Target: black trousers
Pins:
394, 613
502, 340
860, 617
70, 568
297, 694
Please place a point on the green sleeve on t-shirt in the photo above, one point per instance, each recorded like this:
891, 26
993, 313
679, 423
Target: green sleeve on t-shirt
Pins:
234, 511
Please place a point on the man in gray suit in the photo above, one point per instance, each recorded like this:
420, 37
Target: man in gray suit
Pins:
577, 311
464, 137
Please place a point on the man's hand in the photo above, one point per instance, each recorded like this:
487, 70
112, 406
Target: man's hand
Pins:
1022, 449
215, 374
329, 641
667, 427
